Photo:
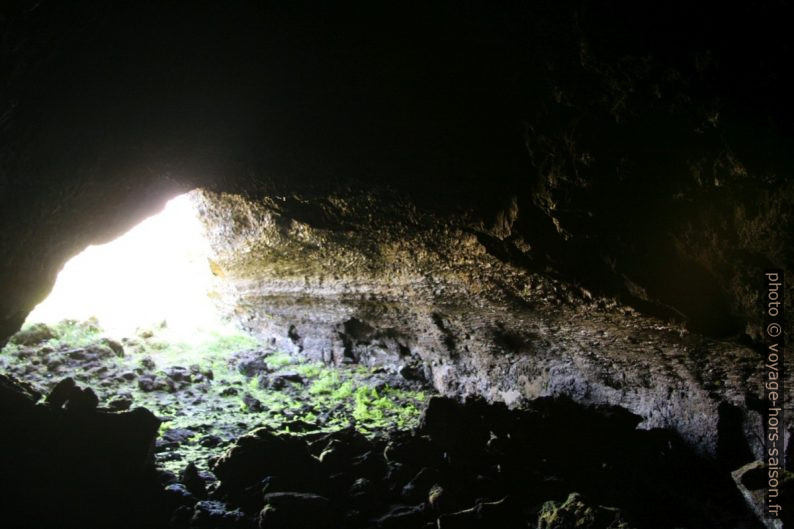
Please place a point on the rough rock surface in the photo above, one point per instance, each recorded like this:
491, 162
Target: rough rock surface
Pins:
655, 165
68, 465
476, 465
208, 394
545, 149
575, 512
752, 480
631, 167
371, 280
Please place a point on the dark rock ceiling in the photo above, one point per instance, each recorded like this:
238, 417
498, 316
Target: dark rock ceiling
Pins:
617, 163
642, 150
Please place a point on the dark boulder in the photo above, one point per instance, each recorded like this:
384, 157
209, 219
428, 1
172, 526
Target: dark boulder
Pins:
76, 465
296, 510
404, 516
263, 453
193, 481
484, 515
209, 514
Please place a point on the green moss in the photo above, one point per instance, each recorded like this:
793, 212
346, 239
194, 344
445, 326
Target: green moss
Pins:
279, 359
388, 408
330, 397
225, 344
11, 349
369, 407
326, 383
310, 369
344, 391
160, 345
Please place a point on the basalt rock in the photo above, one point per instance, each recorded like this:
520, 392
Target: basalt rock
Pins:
414, 288
76, 465
483, 514
262, 453
35, 334
753, 480
296, 510
522, 474
576, 512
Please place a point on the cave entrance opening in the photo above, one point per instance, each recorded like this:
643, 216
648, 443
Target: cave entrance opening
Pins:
140, 322
156, 276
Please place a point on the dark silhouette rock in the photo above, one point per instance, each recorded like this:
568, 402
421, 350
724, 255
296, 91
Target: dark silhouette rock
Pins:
296, 510
88, 467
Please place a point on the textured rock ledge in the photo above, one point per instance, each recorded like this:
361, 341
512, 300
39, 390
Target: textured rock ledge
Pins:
371, 279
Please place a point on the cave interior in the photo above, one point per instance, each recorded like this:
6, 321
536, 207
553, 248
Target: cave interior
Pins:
286, 265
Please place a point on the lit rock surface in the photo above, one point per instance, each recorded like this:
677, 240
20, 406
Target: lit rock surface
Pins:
752, 481
372, 280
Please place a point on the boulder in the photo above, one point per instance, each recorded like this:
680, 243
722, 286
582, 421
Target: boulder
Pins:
403, 517
752, 480
296, 510
576, 512
263, 453
72, 464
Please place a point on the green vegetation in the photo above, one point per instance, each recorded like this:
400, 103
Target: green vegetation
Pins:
369, 408
224, 344
391, 407
68, 333
344, 391
279, 359
11, 349
220, 384
76, 334
326, 383
310, 369
346, 396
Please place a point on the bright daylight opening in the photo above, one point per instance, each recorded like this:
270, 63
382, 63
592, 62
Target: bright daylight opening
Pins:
134, 323
155, 275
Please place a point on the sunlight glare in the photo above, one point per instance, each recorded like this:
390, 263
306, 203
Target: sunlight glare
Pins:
158, 271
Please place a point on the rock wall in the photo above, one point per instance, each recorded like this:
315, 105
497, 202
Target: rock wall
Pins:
367, 278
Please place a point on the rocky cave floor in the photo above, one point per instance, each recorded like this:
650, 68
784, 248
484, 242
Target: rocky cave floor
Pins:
251, 437
209, 394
